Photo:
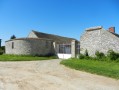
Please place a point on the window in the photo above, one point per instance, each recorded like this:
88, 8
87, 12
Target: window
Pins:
61, 49
12, 45
65, 48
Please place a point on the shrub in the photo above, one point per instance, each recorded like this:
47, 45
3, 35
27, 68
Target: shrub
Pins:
117, 60
112, 55
1, 53
3, 48
84, 56
47, 55
81, 56
86, 52
99, 55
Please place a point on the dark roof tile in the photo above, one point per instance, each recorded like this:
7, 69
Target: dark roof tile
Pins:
56, 38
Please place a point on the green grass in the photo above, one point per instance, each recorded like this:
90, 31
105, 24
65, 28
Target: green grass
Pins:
105, 68
23, 58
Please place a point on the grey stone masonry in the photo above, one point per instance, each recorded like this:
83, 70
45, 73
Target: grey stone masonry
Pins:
98, 39
56, 47
74, 50
38, 43
32, 35
29, 46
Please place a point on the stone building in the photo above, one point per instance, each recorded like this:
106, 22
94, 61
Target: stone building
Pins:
38, 43
29, 46
98, 39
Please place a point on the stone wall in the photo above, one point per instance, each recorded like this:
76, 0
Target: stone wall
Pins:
98, 40
109, 41
32, 35
29, 46
90, 40
74, 48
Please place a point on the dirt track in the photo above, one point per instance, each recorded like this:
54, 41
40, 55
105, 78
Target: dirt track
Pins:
50, 75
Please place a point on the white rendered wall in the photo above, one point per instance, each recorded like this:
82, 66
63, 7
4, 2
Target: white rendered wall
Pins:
64, 56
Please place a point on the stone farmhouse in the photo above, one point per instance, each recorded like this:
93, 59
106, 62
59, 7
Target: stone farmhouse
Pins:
98, 39
38, 43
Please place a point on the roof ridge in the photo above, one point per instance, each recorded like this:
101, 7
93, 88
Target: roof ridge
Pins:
56, 38
94, 28
53, 35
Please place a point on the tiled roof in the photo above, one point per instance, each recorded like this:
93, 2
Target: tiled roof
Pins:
56, 38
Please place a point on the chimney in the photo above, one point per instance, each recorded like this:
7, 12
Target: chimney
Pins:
112, 29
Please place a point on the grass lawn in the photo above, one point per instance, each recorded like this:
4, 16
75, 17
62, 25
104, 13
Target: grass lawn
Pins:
105, 68
23, 58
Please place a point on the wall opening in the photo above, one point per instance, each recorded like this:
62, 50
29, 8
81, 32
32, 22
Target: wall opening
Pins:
12, 45
64, 48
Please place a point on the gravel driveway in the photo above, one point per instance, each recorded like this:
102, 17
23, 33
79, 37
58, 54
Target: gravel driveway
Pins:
50, 75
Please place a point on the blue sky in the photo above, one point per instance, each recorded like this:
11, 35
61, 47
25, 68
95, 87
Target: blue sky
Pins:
61, 17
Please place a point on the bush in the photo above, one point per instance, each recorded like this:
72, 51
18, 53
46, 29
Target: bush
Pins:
117, 60
1, 53
99, 55
81, 56
2, 50
86, 52
84, 56
112, 55
47, 55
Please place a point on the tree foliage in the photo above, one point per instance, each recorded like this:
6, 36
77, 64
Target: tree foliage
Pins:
13, 37
99, 55
86, 52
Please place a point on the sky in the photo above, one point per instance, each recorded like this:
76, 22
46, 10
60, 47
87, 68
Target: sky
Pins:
67, 18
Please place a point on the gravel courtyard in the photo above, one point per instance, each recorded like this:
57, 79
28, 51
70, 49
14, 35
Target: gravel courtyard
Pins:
50, 75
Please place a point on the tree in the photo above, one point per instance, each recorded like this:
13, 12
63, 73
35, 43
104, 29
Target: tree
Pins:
13, 37
86, 52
